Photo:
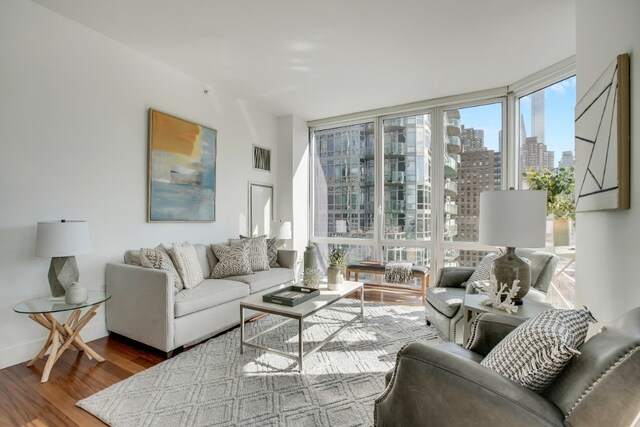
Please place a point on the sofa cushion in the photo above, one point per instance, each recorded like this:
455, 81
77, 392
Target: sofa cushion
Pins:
446, 300
535, 353
209, 293
203, 258
132, 257
159, 259
257, 252
185, 259
233, 260
262, 280
272, 252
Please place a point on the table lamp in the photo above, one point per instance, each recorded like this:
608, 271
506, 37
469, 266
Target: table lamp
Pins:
513, 218
61, 240
281, 230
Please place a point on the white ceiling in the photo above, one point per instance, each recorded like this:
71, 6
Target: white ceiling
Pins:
321, 58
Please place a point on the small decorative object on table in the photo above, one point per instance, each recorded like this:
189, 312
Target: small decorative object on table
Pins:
291, 295
338, 264
75, 294
500, 296
312, 277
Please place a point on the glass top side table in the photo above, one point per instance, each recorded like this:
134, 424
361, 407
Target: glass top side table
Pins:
65, 335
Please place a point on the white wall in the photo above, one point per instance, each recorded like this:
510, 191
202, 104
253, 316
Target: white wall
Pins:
608, 243
73, 139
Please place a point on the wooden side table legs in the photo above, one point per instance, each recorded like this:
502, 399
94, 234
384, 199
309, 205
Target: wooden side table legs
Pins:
63, 336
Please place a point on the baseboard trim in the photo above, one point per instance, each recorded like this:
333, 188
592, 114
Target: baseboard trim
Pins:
24, 352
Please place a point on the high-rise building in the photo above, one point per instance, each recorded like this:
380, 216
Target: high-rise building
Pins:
472, 139
537, 115
534, 155
479, 171
567, 159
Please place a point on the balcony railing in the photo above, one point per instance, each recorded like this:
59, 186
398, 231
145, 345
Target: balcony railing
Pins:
450, 188
450, 167
453, 144
450, 208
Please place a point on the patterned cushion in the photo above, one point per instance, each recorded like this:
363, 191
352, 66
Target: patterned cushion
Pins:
233, 260
483, 270
257, 252
185, 260
535, 352
159, 259
272, 253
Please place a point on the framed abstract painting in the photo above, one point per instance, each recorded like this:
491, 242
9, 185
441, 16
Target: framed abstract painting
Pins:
182, 170
602, 141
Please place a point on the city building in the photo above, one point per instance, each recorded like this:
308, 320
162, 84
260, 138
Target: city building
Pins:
534, 155
568, 159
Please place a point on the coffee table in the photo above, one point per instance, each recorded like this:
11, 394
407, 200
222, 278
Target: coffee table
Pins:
299, 313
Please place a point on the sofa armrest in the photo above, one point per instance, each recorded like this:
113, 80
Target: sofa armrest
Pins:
489, 329
453, 277
287, 258
141, 305
431, 386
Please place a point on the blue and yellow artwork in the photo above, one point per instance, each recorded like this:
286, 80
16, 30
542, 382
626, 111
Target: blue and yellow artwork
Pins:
182, 170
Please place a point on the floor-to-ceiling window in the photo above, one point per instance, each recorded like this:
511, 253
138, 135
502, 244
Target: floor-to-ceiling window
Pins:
545, 136
406, 186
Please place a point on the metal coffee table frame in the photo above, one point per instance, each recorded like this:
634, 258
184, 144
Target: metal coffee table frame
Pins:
299, 312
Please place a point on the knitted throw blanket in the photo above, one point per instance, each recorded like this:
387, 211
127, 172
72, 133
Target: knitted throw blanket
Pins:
398, 272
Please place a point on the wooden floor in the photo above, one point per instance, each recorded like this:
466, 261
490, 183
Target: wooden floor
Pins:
25, 401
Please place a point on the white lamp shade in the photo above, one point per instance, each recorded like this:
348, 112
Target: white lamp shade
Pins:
281, 230
341, 226
62, 238
513, 218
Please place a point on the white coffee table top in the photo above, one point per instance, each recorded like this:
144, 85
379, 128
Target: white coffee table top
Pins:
316, 303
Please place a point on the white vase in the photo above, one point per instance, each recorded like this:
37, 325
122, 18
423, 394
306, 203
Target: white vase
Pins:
75, 294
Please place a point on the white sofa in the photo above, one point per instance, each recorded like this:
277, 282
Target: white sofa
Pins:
143, 305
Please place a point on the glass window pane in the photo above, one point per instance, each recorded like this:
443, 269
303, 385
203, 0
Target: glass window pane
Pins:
344, 179
407, 180
472, 164
546, 134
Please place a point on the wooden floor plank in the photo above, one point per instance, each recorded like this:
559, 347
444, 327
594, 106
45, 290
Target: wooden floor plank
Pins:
24, 401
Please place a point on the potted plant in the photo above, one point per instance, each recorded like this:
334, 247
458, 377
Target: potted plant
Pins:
337, 266
560, 186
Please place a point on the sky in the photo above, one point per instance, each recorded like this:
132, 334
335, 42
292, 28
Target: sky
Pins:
560, 101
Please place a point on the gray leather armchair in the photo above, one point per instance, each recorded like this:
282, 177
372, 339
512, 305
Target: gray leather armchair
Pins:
444, 300
445, 385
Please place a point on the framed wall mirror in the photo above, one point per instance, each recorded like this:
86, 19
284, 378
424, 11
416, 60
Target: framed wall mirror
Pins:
260, 208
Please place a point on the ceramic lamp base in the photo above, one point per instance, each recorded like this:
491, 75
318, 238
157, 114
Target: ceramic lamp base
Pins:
510, 267
63, 271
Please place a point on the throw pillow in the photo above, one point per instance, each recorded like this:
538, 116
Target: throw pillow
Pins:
257, 252
483, 270
233, 260
159, 259
185, 260
272, 253
535, 352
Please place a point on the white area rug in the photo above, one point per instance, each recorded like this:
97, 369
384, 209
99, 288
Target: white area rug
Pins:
214, 385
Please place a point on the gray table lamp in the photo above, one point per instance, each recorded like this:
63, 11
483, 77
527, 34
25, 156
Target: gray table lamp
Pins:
513, 218
61, 240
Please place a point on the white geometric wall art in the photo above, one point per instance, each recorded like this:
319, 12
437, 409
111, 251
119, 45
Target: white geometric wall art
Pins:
602, 141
